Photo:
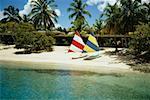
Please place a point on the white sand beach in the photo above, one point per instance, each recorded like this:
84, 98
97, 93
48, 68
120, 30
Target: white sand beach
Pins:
60, 57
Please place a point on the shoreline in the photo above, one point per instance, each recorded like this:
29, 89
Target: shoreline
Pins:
59, 59
58, 66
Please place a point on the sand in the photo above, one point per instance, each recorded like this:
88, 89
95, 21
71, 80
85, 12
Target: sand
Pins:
60, 57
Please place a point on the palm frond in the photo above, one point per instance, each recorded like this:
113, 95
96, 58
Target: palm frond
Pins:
43, 14
72, 15
87, 13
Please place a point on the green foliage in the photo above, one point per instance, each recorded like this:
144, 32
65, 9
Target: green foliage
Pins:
50, 33
141, 40
112, 14
25, 36
25, 19
43, 14
83, 33
12, 14
132, 13
13, 27
147, 12
122, 17
98, 26
25, 27
62, 30
78, 12
34, 42
78, 24
8, 27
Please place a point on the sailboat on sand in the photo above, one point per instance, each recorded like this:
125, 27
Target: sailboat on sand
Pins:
88, 51
91, 48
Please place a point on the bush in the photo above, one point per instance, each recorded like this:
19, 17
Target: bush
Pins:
13, 27
34, 41
10, 29
140, 43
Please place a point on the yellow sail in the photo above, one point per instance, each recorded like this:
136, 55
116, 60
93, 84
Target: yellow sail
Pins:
91, 44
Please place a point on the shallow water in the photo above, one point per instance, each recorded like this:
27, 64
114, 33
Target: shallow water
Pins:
72, 85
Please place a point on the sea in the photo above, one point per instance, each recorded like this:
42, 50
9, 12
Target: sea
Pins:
33, 84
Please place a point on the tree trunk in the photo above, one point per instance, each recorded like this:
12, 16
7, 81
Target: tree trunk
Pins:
116, 45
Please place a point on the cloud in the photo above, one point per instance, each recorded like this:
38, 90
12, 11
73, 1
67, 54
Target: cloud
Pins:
101, 4
93, 2
57, 25
1, 15
58, 12
145, 1
27, 9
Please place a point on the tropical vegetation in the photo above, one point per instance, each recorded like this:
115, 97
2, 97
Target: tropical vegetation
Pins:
140, 43
12, 14
34, 42
78, 12
98, 26
43, 14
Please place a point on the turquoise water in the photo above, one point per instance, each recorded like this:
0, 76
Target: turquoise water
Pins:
71, 85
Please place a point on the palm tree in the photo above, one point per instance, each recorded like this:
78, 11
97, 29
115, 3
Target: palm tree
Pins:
43, 13
78, 12
25, 18
132, 13
112, 15
121, 19
147, 12
98, 25
12, 14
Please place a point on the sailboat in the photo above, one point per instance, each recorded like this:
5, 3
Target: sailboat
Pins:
87, 51
77, 46
91, 48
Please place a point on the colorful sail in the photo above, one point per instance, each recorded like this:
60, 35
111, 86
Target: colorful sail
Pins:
77, 44
91, 45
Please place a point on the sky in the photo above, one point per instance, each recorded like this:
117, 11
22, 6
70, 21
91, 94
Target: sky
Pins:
95, 7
